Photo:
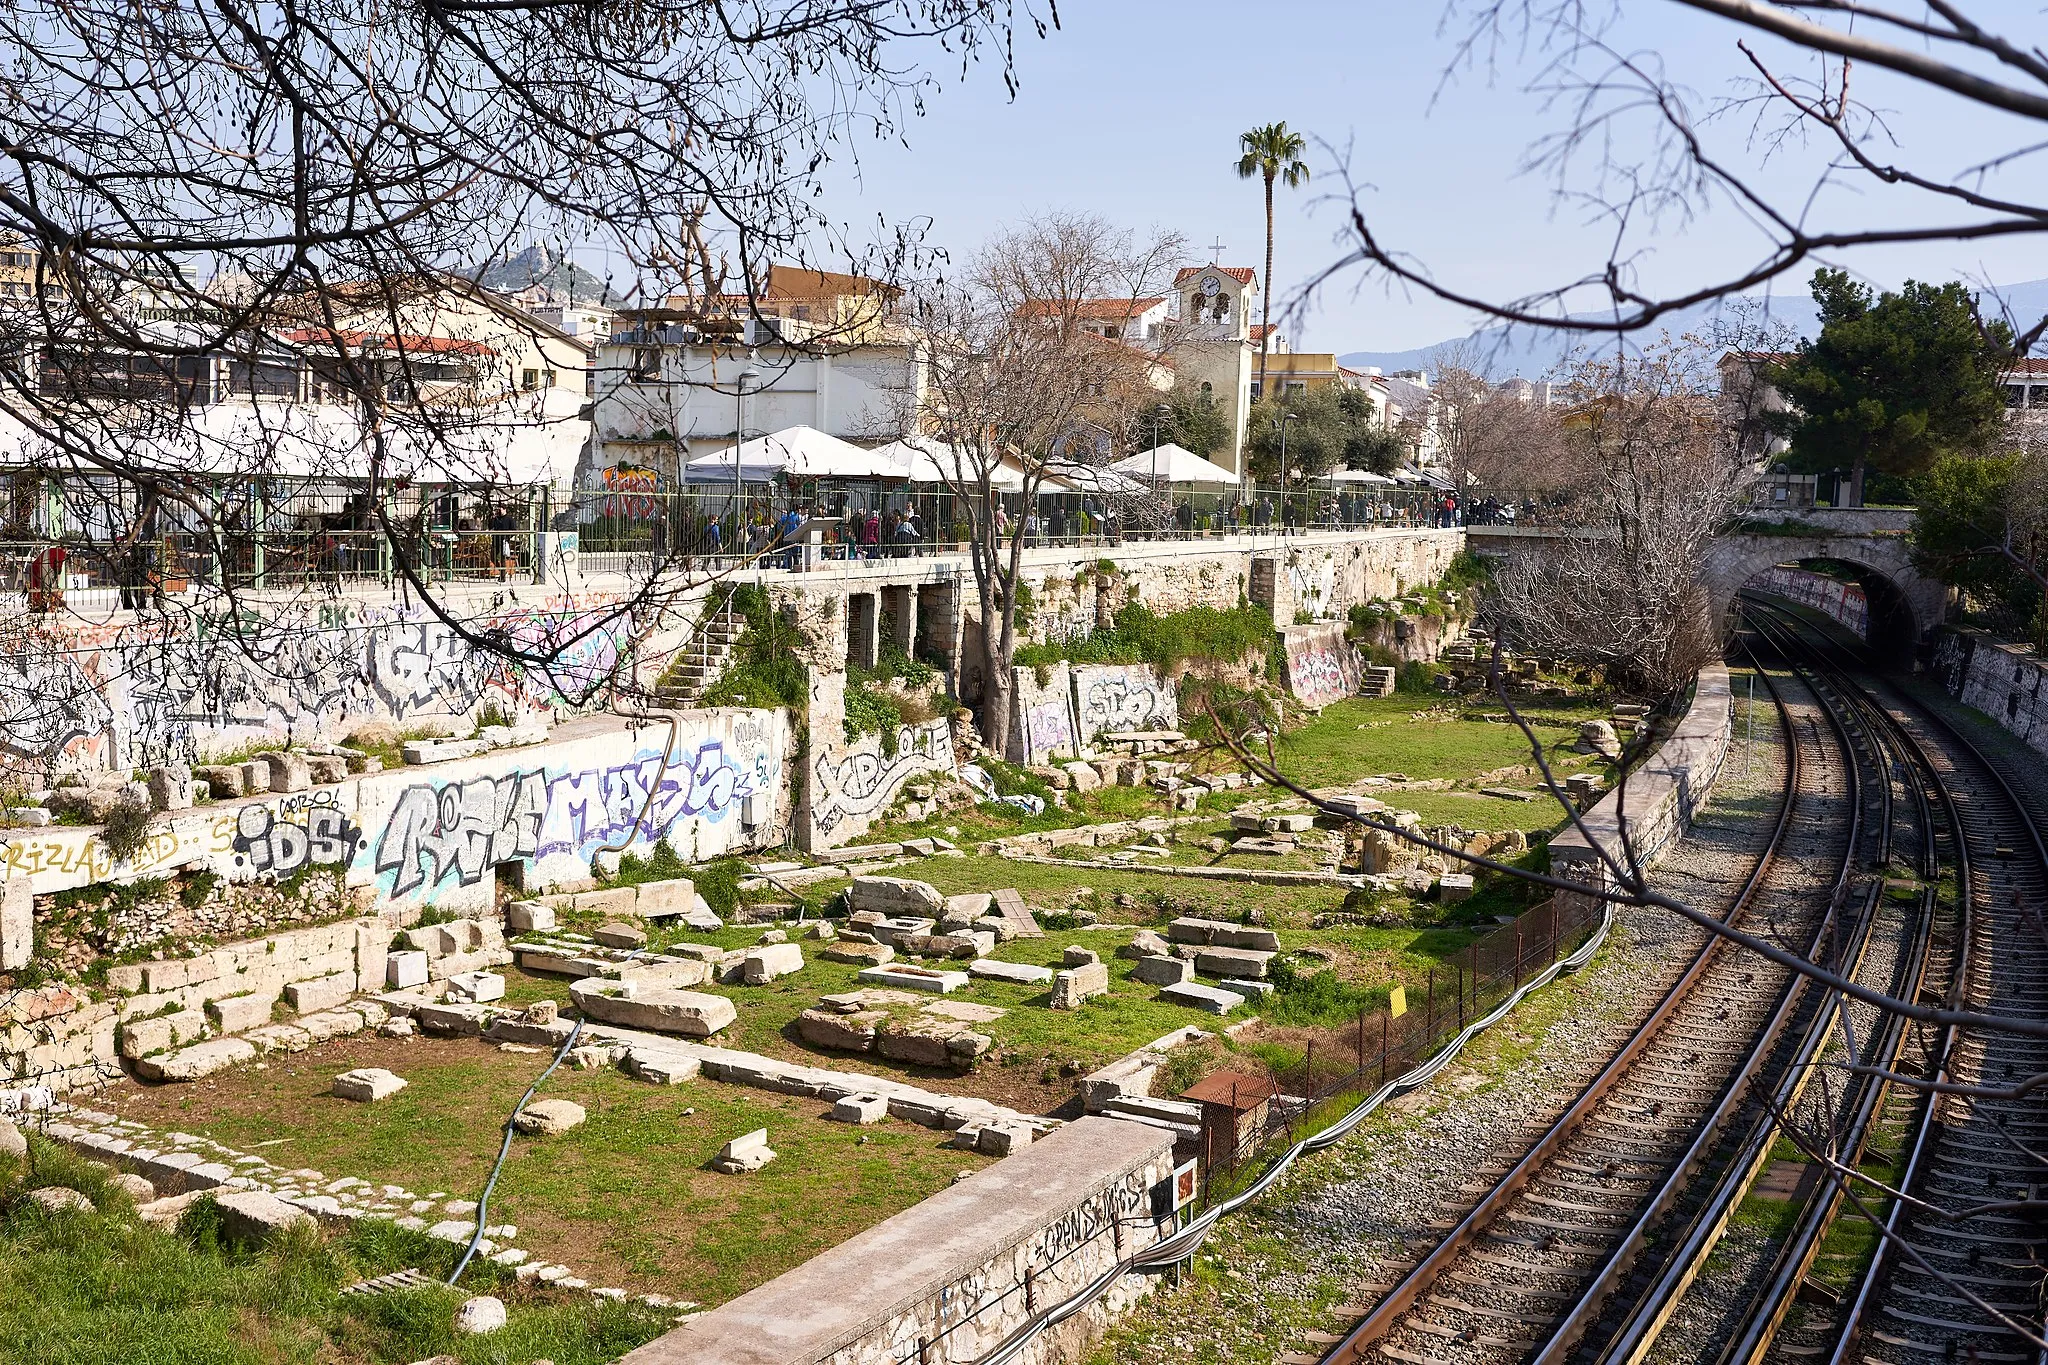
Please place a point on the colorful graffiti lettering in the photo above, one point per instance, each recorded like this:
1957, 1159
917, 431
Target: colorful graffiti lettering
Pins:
629, 493
463, 829
1321, 667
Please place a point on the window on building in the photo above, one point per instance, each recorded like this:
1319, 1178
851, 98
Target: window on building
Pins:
529, 380
2015, 395
646, 365
1294, 385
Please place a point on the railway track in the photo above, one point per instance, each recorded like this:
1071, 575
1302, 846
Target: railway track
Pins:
1736, 1313
1956, 1278
1536, 1262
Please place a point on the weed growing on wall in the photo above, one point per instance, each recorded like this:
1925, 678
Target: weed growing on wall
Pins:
127, 829
1164, 640
764, 669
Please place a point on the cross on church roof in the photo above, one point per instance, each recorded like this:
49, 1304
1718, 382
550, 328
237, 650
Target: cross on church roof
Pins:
1216, 250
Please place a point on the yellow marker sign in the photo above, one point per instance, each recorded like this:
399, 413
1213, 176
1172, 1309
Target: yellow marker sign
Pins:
1397, 1002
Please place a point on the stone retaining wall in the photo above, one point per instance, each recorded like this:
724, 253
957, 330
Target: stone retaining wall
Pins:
946, 1280
440, 833
68, 1036
1318, 575
1662, 792
2007, 682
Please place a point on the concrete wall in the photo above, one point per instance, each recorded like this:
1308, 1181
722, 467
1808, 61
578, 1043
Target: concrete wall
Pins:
1662, 793
852, 784
950, 1275
2004, 681
435, 835
141, 691
1322, 667
1842, 602
1122, 697
1044, 731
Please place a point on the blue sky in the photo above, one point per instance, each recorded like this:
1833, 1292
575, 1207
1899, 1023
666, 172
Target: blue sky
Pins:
1133, 108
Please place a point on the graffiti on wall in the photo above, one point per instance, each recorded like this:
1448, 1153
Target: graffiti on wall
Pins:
1044, 724
306, 831
1322, 667
458, 831
856, 784
1844, 602
1118, 697
48, 706
143, 693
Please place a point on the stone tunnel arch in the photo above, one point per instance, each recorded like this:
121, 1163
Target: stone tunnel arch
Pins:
1904, 604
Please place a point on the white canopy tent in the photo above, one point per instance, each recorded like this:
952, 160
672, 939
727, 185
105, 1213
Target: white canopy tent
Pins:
1099, 480
513, 443
1364, 476
1175, 465
926, 461
794, 453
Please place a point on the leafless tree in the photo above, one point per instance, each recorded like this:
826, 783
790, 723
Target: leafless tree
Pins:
1639, 153
1650, 478
1018, 388
1489, 436
267, 204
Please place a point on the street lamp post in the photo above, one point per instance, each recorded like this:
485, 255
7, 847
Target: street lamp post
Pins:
750, 375
1285, 418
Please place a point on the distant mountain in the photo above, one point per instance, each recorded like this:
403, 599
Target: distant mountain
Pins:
1531, 352
561, 278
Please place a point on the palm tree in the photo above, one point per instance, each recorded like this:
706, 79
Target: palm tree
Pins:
1275, 154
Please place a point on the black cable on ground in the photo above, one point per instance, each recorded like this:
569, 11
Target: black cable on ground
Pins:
483, 1203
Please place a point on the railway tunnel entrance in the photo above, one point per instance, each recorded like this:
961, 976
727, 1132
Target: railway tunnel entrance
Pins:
1862, 574
1858, 598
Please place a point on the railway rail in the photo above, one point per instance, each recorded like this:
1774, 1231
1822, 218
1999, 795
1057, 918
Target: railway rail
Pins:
1738, 1314
1536, 1262
1961, 1156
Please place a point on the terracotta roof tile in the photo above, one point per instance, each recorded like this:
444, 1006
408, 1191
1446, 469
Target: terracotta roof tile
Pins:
1243, 274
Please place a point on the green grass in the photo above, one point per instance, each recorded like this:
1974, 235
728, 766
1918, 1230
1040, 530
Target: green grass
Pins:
102, 1288
997, 821
1132, 1014
624, 1199
1364, 736
1046, 886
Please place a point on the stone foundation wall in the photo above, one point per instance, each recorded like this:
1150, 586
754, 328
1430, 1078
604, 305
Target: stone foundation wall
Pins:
69, 1036
2006, 682
946, 1280
445, 833
1663, 791
1414, 639
1318, 576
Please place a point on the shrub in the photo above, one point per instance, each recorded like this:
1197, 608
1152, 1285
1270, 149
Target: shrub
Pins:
1315, 998
128, 827
869, 712
1416, 676
718, 883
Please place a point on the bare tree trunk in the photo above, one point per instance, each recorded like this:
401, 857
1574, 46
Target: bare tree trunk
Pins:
997, 694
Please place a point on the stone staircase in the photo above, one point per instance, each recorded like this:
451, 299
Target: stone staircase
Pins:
702, 660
